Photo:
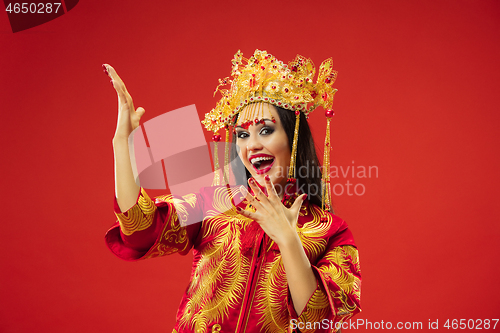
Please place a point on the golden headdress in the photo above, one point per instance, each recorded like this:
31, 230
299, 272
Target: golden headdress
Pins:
265, 79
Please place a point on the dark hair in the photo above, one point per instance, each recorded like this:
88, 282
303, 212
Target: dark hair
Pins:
306, 159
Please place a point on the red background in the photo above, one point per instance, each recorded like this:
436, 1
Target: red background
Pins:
418, 98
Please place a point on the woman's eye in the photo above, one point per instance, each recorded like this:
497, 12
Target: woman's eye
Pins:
241, 135
266, 131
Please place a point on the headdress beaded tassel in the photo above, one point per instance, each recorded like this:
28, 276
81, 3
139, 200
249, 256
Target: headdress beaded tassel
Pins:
325, 181
216, 138
291, 171
226, 157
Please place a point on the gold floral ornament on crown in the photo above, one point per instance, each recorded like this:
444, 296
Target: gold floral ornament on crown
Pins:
264, 79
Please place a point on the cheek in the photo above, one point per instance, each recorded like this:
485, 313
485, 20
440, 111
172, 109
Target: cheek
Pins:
282, 149
240, 149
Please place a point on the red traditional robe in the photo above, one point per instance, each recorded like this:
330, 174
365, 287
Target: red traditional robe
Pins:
238, 281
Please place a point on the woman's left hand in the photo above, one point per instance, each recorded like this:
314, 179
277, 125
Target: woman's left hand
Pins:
277, 221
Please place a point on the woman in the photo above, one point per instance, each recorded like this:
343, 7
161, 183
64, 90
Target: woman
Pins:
275, 261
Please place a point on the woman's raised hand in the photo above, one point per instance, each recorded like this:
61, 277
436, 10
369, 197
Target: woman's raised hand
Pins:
126, 189
128, 117
277, 221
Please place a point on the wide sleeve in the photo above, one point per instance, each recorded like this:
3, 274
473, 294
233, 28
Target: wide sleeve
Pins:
155, 228
337, 295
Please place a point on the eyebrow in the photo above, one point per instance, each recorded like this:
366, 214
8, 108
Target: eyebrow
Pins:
265, 119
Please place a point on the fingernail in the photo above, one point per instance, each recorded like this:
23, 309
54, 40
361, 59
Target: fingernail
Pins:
238, 209
105, 69
252, 181
267, 178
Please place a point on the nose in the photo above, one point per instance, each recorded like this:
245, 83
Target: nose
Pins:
253, 143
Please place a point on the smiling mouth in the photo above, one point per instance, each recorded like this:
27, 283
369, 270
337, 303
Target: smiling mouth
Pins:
262, 164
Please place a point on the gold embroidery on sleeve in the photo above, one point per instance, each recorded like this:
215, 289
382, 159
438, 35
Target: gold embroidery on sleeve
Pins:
139, 217
316, 310
190, 199
174, 237
344, 271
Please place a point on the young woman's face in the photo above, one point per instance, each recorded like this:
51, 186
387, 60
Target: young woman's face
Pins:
263, 148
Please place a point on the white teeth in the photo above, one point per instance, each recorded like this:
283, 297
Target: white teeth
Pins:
258, 159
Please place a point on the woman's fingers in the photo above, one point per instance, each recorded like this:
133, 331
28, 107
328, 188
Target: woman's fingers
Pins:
113, 75
140, 111
256, 189
128, 117
295, 208
259, 195
246, 213
271, 191
117, 83
250, 198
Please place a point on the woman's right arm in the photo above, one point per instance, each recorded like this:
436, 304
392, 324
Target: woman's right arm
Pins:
126, 189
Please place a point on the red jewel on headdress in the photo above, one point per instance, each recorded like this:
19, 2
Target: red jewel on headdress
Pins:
297, 112
329, 113
256, 121
216, 138
273, 120
294, 68
262, 67
262, 121
314, 94
327, 80
325, 96
286, 90
324, 219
